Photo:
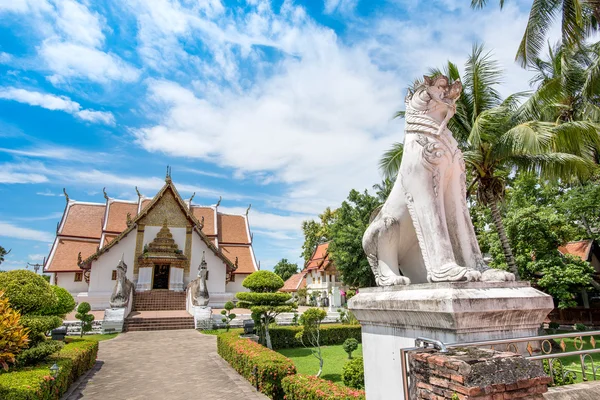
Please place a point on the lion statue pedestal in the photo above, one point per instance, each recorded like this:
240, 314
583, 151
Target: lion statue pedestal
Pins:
421, 246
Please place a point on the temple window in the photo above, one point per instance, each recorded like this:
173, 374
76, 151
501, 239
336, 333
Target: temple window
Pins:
114, 275
78, 276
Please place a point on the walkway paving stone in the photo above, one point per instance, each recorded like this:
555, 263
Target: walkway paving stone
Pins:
165, 365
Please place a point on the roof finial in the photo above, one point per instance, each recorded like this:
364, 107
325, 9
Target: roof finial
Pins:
168, 176
138, 192
129, 220
219, 202
66, 195
248, 209
79, 260
192, 198
104, 191
236, 263
202, 223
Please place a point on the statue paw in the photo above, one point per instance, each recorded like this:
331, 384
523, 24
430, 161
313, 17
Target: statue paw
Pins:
453, 272
497, 275
472, 275
392, 280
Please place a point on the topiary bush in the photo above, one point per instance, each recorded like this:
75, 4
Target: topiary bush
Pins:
27, 292
283, 337
353, 373
263, 282
259, 365
306, 387
86, 319
349, 346
13, 336
39, 352
39, 326
64, 305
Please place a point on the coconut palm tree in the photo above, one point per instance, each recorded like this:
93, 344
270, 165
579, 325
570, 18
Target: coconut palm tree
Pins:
496, 139
579, 19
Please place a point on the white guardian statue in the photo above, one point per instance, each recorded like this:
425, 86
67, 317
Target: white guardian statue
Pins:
423, 232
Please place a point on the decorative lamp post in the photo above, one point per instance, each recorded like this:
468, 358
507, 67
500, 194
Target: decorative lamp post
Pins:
54, 370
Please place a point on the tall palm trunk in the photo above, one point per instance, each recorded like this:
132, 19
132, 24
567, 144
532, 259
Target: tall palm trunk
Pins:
510, 259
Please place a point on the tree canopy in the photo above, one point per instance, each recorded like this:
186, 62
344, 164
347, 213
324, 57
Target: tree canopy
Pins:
285, 269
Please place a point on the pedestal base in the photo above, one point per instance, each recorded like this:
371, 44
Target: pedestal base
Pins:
113, 320
392, 317
203, 317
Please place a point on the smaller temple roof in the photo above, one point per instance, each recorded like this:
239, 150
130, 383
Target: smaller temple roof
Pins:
320, 258
64, 258
581, 249
294, 282
244, 256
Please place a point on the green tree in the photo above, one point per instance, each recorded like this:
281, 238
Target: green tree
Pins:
3, 253
345, 248
311, 320
285, 269
316, 232
264, 301
349, 346
579, 19
497, 137
83, 315
228, 316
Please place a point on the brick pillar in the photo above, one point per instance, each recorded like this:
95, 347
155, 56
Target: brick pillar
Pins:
472, 373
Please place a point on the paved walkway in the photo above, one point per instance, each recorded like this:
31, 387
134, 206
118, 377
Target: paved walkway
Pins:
165, 365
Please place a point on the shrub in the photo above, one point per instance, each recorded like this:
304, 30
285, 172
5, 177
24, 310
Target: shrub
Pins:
554, 325
580, 327
86, 319
27, 292
353, 373
228, 316
36, 383
38, 353
13, 336
64, 305
246, 356
330, 334
39, 326
263, 281
302, 293
305, 387
350, 345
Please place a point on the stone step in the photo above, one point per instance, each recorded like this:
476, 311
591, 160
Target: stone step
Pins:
159, 300
158, 324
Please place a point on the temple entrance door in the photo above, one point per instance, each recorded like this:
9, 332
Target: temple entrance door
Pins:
161, 277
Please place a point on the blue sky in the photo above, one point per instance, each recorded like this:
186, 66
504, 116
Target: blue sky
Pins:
285, 105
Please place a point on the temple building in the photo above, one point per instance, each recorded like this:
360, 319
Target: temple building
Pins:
163, 240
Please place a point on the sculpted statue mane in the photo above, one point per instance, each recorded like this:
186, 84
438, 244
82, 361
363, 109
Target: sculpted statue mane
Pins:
122, 289
198, 287
423, 232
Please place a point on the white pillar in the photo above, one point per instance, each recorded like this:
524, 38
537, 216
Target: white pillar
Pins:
144, 281
176, 279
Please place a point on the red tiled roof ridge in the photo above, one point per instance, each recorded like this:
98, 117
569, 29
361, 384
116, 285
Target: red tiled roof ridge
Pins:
579, 248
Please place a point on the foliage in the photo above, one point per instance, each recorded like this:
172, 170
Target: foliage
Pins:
345, 248
38, 353
316, 233
39, 326
35, 383
354, 373
228, 316
263, 282
347, 317
3, 253
86, 319
306, 387
302, 294
310, 333
553, 325
581, 327
560, 375
264, 302
64, 305
260, 366
350, 293
350, 345
330, 334
28, 293
12, 333
285, 269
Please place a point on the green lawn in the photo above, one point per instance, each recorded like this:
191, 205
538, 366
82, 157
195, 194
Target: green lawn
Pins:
334, 359
573, 363
96, 338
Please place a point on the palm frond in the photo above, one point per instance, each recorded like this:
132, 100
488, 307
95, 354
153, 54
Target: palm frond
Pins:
580, 138
555, 166
399, 114
389, 165
572, 22
591, 86
540, 19
482, 75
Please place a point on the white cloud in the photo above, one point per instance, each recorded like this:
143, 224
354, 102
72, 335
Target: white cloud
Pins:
16, 232
36, 257
79, 24
343, 6
5, 57
273, 222
10, 173
52, 102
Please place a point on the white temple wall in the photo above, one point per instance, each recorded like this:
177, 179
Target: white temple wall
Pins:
236, 286
216, 267
66, 280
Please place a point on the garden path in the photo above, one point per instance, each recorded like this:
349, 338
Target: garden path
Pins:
165, 365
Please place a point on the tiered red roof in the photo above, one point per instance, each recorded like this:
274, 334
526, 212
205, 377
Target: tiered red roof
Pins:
320, 258
580, 249
295, 282
87, 227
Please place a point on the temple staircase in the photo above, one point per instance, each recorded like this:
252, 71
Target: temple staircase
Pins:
158, 310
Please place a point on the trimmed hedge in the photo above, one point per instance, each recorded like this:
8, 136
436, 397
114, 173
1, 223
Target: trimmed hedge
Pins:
308, 387
74, 360
244, 356
283, 337
353, 373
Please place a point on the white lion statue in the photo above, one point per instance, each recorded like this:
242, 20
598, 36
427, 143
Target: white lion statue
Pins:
423, 232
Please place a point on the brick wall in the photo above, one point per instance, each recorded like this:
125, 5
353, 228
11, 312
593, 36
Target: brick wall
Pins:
473, 373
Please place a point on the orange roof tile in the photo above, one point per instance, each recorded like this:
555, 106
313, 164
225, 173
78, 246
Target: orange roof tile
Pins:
109, 238
232, 229
320, 258
145, 203
65, 255
209, 218
244, 255
580, 249
84, 220
294, 282
117, 215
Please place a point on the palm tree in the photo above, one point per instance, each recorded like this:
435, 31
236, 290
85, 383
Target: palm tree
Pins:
579, 19
496, 138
